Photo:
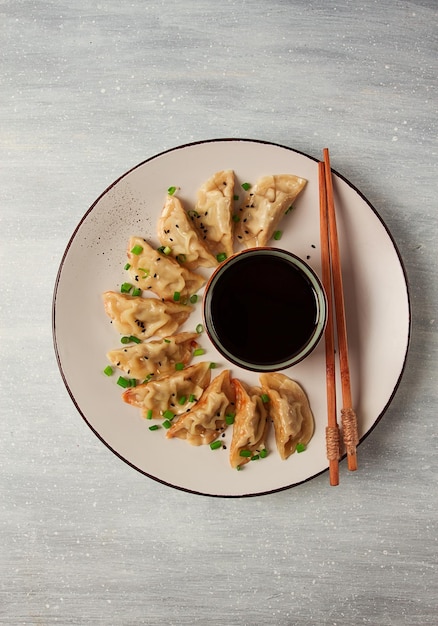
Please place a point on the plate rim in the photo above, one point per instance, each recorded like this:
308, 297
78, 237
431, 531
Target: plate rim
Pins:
90, 209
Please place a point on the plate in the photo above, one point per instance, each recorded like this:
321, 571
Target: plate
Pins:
376, 301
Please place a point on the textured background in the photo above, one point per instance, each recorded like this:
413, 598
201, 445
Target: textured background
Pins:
90, 89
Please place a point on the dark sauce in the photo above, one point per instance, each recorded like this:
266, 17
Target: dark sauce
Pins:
264, 310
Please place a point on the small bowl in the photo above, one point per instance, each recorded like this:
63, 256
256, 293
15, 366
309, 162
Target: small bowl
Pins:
264, 309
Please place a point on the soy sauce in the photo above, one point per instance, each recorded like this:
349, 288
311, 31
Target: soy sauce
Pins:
264, 310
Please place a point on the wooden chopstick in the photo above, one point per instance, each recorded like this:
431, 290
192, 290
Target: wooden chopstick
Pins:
348, 416
332, 429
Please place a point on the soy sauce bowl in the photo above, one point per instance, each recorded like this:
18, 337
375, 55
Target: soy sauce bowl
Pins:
264, 309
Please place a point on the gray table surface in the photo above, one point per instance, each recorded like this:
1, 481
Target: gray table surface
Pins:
90, 89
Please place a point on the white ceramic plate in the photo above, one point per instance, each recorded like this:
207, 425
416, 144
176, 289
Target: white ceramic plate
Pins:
376, 298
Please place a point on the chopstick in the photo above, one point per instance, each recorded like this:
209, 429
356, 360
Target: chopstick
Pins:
332, 429
348, 416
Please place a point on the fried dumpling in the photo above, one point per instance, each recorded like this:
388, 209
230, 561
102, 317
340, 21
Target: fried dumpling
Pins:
289, 410
206, 420
155, 358
144, 317
213, 214
264, 206
158, 272
176, 392
251, 423
176, 230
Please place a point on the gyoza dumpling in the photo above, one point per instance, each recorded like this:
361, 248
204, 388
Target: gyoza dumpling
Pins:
264, 206
251, 423
164, 276
206, 420
144, 317
156, 358
289, 410
176, 392
176, 230
213, 214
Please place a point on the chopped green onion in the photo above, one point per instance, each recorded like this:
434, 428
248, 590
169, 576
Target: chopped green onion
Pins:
166, 340
199, 329
149, 414
182, 400
124, 339
245, 453
127, 266
181, 258
236, 218
235, 197
108, 371
255, 457
136, 291
300, 447
123, 382
167, 250
277, 235
193, 213
246, 186
179, 366
176, 296
194, 299
221, 257
130, 339
148, 377
198, 351
263, 453
192, 398
239, 468
154, 427
171, 191
265, 397
126, 287
213, 366
289, 209
215, 445
137, 250
166, 424
146, 272
229, 419
168, 415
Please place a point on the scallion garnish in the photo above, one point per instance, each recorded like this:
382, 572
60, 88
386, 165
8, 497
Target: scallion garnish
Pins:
137, 250
145, 272
236, 218
126, 287
181, 258
149, 414
168, 415
264, 397
192, 398
221, 257
193, 299
300, 447
263, 453
246, 186
179, 366
108, 371
199, 329
127, 266
166, 340
130, 339
212, 366
176, 296
167, 250
166, 424
215, 445
182, 400
255, 457
123, 382
289, 209
136, 291
198, 351
245, 453
277, 235
154, 427
229, 419
192, 213
171, 191
235, 197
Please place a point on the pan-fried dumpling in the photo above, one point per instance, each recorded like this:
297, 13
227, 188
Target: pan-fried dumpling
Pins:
176, 392
213, 214
176, 230
144, 317
158, 272
264, 206
155, 358
289, 410
251, 423
206, 420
